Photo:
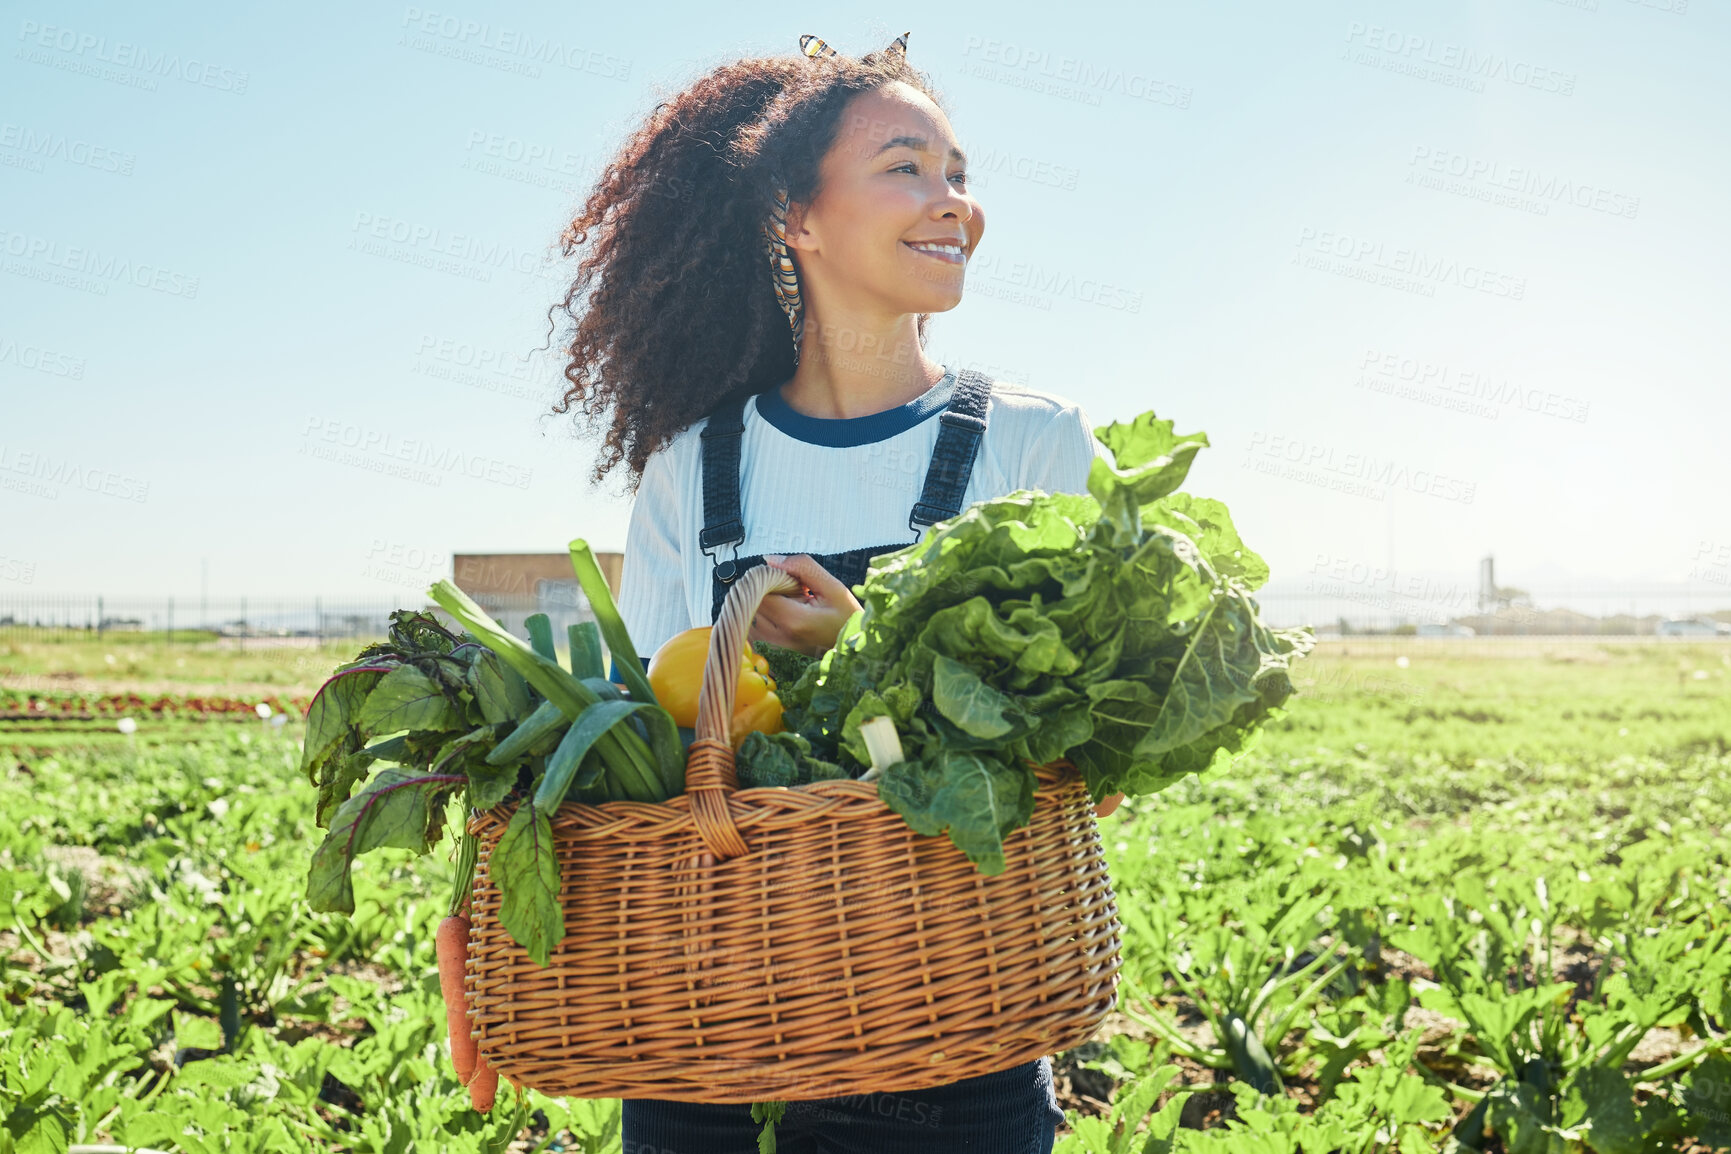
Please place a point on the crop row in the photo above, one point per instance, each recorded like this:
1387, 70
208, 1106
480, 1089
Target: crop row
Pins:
19, 705
1359, 951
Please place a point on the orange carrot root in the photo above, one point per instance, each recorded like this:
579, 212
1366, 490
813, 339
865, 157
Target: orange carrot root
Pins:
485, 1087
452, 941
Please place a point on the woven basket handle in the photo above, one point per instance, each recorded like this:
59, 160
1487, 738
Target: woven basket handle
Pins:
709, 775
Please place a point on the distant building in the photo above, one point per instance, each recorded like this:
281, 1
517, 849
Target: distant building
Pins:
512, 586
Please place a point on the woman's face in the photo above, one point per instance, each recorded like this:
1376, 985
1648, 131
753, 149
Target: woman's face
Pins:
893, 223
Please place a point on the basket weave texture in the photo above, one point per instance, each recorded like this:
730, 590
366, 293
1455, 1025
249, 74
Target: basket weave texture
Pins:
744, 945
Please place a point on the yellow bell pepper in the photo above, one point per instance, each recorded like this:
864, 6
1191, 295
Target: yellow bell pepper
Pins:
676, 676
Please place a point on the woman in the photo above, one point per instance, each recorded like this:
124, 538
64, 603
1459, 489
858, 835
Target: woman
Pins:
764, 256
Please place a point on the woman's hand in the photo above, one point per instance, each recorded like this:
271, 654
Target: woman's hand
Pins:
809, 620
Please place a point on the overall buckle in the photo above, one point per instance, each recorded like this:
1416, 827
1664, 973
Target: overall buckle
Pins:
725, 571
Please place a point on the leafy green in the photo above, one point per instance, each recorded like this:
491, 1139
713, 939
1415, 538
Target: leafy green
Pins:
768, 1114
785, 759
407, 699
332, 713
590, 725
500, 691
536, 729
1116, 630
1707, 1094
475, 720
639, 769
398, 808
527, 873
786, 666
977, 799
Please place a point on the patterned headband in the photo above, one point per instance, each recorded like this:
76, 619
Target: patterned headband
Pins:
781, 268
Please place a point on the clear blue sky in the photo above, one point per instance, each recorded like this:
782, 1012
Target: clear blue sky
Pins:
1438, 279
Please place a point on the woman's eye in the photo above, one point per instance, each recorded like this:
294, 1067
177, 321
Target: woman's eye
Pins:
910, 166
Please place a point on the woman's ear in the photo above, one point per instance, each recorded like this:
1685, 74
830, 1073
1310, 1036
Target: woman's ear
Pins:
797, 237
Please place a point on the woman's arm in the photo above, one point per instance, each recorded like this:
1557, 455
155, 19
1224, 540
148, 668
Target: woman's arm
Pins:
652, 598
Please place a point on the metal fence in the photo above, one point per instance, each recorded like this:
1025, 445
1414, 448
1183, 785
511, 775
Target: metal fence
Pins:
1340, 609
257, 620
1441, 609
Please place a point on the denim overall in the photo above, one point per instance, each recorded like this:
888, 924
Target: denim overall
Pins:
962, 423
1013, 1111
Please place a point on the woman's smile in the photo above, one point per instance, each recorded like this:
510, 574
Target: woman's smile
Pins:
948, 251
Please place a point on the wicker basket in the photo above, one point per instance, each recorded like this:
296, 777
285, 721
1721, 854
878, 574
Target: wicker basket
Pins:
735, 945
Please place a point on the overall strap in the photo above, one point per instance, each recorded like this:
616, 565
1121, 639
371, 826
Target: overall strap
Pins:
722, 521
962, 425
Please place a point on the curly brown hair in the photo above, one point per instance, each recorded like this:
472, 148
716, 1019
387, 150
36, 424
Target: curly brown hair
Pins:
673, 309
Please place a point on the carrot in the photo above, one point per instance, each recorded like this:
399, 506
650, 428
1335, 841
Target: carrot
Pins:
485, 1086
452, 940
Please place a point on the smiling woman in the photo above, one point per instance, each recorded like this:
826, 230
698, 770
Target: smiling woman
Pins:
756, 349
674, 305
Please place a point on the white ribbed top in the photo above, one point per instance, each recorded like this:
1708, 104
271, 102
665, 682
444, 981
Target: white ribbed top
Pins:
810, 485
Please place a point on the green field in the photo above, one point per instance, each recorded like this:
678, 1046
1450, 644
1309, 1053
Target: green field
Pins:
1464, 888
192, 661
